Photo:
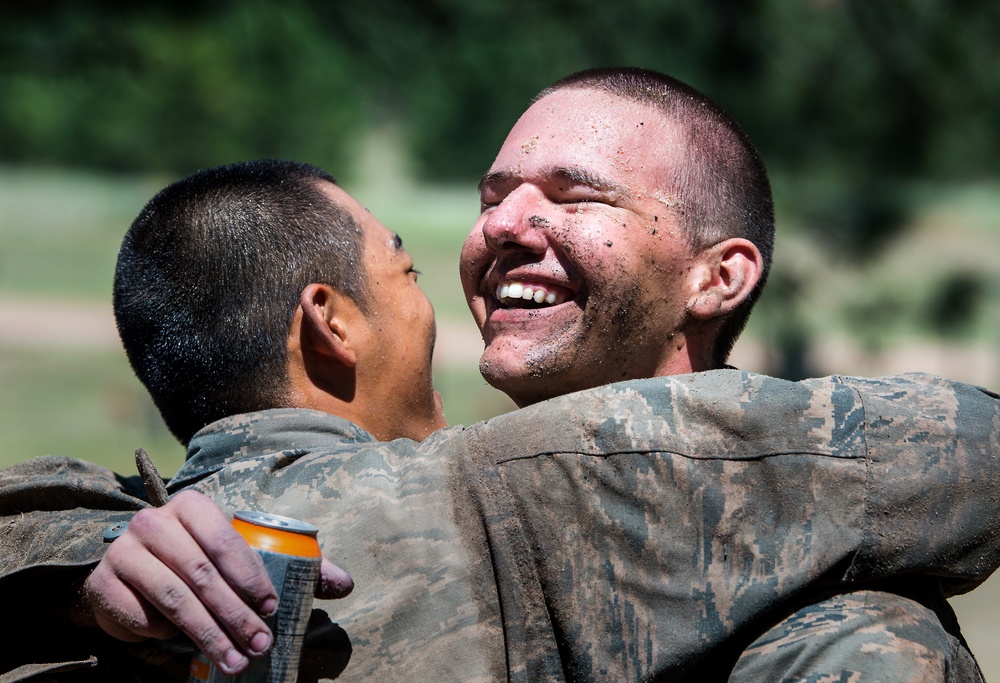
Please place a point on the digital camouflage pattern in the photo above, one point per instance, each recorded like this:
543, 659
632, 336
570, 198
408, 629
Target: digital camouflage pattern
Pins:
889, 638
648, 530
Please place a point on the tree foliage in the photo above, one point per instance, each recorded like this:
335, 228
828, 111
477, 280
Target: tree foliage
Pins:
850, 100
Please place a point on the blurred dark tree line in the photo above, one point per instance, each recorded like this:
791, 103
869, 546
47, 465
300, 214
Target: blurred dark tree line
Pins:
850, 101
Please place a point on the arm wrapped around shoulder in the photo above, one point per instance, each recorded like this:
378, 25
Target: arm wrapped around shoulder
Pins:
934, 479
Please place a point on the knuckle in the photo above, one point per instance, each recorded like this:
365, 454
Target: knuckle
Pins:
231, 542
171, 601
187, 497
144, 524
202, 574
253, 576
240, 621
97, 579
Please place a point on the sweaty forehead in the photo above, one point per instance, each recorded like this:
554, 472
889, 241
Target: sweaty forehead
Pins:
381, 238
592, 137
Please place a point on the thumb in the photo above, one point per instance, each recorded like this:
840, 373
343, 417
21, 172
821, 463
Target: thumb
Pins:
333, 582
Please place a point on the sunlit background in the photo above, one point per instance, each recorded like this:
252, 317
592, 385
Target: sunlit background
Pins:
878, 120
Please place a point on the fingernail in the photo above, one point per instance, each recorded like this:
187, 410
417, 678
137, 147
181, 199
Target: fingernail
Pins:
233, 661
260, 643
269, 607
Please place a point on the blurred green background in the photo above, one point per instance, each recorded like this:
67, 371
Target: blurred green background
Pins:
877, 118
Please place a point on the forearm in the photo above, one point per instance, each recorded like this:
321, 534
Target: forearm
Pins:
711, 501
41, 539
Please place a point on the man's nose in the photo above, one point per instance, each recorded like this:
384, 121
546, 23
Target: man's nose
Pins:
517, 223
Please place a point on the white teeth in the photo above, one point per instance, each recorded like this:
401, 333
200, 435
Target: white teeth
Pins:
518, 290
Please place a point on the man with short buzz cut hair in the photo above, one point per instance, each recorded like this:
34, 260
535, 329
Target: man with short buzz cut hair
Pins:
643, 213
211, 274
722, 189
645, 530
627, 230
201, 366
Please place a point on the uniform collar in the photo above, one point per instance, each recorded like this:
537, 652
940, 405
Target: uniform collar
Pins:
291, 431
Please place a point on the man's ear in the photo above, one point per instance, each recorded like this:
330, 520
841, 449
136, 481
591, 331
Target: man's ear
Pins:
724, 276
326, 324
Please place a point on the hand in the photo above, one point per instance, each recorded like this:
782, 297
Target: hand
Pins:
183, 567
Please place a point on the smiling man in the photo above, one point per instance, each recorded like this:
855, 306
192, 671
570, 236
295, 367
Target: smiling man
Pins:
626, 231
649, 529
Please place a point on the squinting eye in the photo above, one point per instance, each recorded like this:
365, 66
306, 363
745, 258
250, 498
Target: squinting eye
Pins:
414, 272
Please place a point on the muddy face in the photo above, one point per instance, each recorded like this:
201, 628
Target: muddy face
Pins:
578, 271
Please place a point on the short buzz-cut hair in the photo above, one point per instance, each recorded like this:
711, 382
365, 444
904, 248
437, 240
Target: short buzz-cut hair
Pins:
208, 279
722, 188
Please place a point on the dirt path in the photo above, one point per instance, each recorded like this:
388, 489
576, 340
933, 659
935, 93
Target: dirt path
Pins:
48, 323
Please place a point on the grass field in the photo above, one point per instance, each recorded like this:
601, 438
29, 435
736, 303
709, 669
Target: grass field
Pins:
66, 388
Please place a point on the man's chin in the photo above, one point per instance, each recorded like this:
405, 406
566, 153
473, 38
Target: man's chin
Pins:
525, 382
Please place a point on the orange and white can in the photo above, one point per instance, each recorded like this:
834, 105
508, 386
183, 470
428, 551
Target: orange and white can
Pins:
292, 557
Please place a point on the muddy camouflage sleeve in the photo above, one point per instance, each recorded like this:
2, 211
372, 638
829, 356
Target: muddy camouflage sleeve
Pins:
678, 515
909, 634
54, 512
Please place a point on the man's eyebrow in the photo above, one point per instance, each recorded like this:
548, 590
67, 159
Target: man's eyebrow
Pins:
582, 176
495, 177
397, 241
572, 174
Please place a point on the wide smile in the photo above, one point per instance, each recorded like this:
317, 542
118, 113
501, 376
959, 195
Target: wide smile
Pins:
524, 294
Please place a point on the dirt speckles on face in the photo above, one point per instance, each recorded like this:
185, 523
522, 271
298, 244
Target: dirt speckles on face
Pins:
623, 160
528, 146
539, 223
586, 218
669, 200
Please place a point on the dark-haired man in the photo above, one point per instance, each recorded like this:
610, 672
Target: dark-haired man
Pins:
631, 531
274, 243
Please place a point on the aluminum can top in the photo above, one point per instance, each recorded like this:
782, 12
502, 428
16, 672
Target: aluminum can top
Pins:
278, 534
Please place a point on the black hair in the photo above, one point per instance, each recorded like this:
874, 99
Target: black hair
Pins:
208, 279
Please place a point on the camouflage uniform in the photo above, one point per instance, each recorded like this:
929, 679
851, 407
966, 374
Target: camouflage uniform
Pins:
649, 530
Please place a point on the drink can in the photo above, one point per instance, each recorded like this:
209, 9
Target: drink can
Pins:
292, 557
